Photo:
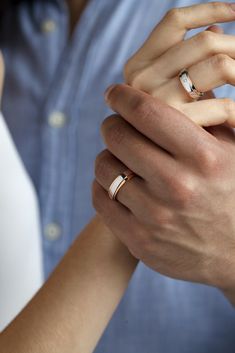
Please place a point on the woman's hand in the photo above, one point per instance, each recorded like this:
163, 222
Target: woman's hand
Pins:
208, 57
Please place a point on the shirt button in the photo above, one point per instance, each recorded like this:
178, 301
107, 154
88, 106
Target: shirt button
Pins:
57, 119
52, 232
48, 26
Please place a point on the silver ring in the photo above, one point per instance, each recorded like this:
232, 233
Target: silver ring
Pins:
118, 183
188, 85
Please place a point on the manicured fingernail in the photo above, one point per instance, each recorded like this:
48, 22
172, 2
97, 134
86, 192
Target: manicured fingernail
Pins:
107, 92
233, 6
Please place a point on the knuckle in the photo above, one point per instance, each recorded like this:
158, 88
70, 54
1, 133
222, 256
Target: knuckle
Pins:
106, 124
206, 39
159, 217
164, 218
135, 75
116, 134
101, 164
136, 79
183, 190
174, 15
218, 6
210, 160
112, 130
144, 108
221, 62
229, 107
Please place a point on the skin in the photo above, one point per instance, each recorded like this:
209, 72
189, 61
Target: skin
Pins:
177, 214
97, 260
208, 56
67, 315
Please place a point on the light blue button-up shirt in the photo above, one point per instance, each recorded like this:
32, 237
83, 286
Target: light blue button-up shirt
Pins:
53, 103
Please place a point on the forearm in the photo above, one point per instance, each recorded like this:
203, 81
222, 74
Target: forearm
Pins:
70, 313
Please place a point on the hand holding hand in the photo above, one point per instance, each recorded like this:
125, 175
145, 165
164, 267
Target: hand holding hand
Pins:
178, 212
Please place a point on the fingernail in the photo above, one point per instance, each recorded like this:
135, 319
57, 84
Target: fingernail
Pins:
107, 92
233, 6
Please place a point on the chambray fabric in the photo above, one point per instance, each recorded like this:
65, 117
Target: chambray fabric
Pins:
51, 71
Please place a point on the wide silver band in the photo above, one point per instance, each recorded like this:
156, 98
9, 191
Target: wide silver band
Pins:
189, 86
118, 183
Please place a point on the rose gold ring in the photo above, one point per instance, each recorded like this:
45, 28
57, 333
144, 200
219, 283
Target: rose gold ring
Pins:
118, 183
189, 86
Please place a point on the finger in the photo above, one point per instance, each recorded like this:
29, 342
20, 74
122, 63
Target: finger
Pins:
134, 194
206, 75
211, 112
219, 30
192, 51
136, 151
173, 27
115, 216
223, 133
184, 54
207, 95
213, 72
107, 168
215, 29
164, 125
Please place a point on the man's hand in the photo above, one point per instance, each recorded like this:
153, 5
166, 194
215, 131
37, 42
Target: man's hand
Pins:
177, 214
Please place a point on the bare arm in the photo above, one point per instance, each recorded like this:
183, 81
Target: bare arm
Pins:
71, 311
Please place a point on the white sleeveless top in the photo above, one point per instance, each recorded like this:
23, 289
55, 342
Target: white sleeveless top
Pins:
20, 251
